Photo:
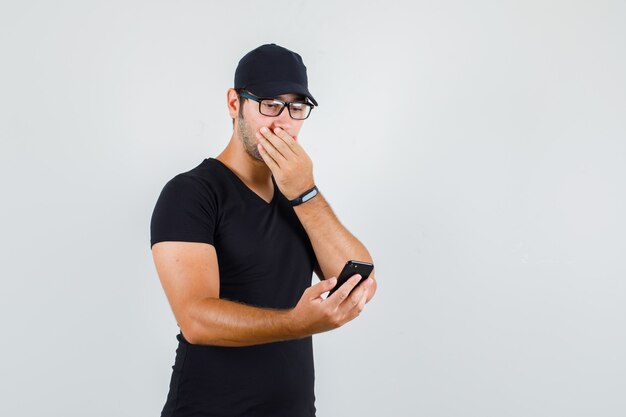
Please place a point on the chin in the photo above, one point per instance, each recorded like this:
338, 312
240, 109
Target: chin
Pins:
254, 154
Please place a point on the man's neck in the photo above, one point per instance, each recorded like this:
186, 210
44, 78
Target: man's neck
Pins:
253, 172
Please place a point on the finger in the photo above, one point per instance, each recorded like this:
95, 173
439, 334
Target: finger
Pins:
270, 149
281, 141
286, 137
363, 300
343, 292
293, 144
322, 287
279, 144
369, 284
267, 158
357, 294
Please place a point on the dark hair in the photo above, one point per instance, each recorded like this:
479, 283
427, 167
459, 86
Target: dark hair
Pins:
241, 100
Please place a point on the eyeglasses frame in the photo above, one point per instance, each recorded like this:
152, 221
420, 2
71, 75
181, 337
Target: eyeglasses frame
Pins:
286, 104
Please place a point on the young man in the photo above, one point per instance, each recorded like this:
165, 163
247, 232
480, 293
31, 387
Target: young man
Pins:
235, 241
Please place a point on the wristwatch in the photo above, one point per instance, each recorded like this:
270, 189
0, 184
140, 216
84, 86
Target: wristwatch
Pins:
306, 196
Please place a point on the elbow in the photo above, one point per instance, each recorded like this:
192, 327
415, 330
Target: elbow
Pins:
372, 288
195, 336
190, 325
191, 321
188, 331
198, 332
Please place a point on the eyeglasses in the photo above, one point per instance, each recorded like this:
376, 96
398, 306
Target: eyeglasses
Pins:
273, 107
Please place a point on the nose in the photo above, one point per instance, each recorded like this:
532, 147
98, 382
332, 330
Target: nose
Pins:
283, 120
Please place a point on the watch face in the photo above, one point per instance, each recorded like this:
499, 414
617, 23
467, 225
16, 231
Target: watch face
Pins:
305, 197
310, 195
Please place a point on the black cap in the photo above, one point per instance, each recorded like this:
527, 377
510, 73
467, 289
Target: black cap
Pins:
271, 70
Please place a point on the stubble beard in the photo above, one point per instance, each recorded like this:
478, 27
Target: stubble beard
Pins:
247, 139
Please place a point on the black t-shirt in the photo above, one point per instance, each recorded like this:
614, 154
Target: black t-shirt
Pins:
265, 259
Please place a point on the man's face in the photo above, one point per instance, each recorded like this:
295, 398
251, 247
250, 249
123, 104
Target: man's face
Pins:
249, 121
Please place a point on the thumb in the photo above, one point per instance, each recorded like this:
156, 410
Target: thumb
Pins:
323, 286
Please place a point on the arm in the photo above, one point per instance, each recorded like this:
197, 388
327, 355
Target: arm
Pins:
228, 323
189, 275
333, 244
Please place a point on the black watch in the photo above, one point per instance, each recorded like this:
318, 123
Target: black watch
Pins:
306, 196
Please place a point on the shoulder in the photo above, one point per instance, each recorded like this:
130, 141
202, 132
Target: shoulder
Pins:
204, 180
198, 190
187, 208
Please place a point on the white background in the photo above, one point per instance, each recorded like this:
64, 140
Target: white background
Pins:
478, 149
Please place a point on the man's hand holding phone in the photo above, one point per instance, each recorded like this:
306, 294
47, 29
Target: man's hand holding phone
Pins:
314, 314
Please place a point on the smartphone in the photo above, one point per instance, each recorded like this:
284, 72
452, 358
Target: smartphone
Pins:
351, 268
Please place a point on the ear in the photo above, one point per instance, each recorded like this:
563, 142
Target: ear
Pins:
233, 103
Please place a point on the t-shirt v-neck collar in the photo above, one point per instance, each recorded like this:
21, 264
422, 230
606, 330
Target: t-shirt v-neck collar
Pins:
240, 181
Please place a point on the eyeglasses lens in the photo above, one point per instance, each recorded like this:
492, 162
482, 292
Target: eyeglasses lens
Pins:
273, 108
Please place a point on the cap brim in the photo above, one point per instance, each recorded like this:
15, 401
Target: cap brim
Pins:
276, 88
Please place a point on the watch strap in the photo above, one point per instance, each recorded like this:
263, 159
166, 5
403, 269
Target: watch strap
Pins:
306, 196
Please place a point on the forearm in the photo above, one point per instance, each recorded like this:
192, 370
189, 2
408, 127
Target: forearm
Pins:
333, 244
293, 170
222, 322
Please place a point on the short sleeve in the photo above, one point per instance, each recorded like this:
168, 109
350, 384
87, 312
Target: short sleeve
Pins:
185, 211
